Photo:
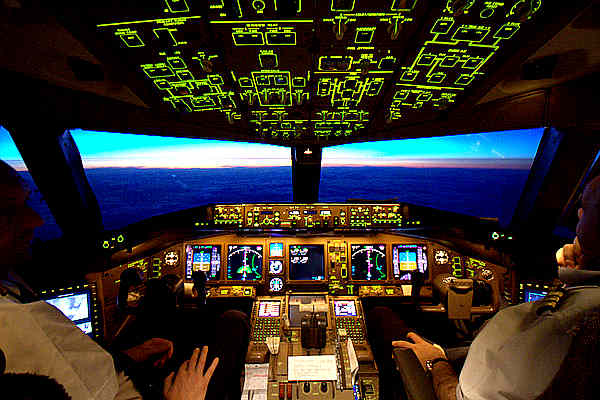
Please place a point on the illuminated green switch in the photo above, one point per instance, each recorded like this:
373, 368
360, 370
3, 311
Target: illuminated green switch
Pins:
202, 102
464, 80
472, 63
473, 34
364, 36
401, 95
426, 96
215, 79
387, 63
426, 60
409, 75
185, 75
438, 77
281, 38
248, 39
281, 80
158, 72
162, 84
449, 61
176, 63
132, 40
442, 26
177, 5
506, 31
245, 82
298, 82
374, 88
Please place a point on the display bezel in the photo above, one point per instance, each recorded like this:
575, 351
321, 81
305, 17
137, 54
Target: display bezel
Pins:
262, 268
300, 281
350, 264
423, 246
220, 273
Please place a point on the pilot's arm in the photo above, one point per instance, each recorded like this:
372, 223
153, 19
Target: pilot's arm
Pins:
444, 377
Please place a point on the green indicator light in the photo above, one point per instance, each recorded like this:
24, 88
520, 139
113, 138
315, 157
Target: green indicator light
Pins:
507, 31
469, 33
197, 224
464, 80
132, 40
120, 239
176, 63
364, 36
438, 77
106, 244
442, 26
281, 38
495, 236
177, 5
248, 39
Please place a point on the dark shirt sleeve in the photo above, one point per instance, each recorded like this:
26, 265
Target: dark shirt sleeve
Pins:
444, 381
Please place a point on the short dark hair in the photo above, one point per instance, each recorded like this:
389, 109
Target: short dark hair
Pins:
26, 386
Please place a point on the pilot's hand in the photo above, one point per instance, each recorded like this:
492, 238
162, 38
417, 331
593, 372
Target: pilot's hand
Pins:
155, 347
422, 348
191, 382
570, 255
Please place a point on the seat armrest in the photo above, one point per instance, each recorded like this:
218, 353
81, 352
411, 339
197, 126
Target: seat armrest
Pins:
417, 384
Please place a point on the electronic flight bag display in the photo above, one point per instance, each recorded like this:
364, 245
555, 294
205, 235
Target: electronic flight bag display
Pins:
307, 262
368, 262
75, 306
244, 263
205, 258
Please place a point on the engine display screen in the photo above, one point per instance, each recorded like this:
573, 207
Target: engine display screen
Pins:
76, 307
205, 258
344, 308
244, 263
408, 258
368, 262
306, 263
268, 309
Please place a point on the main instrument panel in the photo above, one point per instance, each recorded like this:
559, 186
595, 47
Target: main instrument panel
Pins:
272, 264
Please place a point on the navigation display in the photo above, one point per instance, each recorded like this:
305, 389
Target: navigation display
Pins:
76, 307
344, 308
268, 309
408, 258
244, 263
368, 262
306, 262
205, 258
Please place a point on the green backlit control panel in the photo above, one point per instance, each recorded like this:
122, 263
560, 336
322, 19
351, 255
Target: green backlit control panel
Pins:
325, 70
353, 327
265, 327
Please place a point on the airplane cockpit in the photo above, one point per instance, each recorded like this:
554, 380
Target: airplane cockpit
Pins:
484, 118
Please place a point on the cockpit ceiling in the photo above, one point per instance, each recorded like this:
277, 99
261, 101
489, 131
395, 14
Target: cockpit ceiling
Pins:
330, 71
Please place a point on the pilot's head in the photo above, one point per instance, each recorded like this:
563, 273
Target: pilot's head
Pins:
17, 220
584, 253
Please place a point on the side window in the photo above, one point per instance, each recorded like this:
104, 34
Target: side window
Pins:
10, 154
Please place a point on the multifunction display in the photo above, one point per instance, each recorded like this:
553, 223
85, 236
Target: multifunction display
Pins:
306, 263
244, 263
368, 262
205, 258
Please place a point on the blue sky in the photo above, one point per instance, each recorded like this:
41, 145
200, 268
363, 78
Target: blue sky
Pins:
103, 149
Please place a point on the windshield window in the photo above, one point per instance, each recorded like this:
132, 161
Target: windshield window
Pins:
10, 154
477, 174
135, 177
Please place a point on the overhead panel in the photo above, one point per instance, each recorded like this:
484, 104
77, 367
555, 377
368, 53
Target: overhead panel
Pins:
297, 70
